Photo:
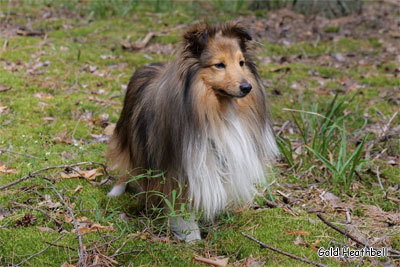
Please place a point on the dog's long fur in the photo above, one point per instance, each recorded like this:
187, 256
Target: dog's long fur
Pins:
189, 119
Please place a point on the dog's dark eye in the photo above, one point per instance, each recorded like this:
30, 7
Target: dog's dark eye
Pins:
220, 66
241, 63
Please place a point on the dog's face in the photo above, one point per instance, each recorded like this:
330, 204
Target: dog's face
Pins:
224, 69
222, 58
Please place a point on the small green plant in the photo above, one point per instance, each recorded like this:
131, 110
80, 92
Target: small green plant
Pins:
285, 146
343, 168
317, 130
325, 140
174, 206
332, 29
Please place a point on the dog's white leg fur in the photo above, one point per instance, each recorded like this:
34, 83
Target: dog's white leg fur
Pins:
117, 190
185, 229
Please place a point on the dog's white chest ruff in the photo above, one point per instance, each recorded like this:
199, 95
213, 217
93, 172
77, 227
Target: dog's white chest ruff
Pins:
225, 165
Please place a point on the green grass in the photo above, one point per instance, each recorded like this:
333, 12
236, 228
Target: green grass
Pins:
79, 97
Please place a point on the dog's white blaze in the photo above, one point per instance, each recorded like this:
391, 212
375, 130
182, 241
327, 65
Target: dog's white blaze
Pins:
224, 167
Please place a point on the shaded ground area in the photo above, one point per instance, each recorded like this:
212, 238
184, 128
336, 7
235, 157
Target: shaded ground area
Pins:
334, 92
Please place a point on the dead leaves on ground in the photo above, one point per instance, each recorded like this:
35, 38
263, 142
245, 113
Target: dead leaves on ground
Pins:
7, 169
78, 173
48, 203
25, 31
379, 215
4, 88
3, 109
214, 262
44, 96
87, 226
139, 44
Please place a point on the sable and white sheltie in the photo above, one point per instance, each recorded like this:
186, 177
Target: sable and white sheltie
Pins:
203, 119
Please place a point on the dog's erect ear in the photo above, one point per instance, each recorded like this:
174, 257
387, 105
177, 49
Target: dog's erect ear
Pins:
196, 38
234, 30
240, 32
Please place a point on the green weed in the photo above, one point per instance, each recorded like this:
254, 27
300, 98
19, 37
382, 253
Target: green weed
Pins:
325, 138
343, 168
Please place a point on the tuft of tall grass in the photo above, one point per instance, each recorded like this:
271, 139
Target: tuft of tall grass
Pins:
322, 131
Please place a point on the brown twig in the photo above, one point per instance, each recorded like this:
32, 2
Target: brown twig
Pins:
386, 127
81, 252
343, 232
33, 174
127, 252
39, 252
60, 246
17, 153
272, 204
263, 245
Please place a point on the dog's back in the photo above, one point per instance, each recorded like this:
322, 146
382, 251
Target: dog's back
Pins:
119, 154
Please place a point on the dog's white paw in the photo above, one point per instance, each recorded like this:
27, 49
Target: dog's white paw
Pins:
117, 190
185, 230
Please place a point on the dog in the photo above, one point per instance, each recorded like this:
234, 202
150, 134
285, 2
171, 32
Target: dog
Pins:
203, 119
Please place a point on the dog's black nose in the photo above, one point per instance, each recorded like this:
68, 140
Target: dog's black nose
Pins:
245, 87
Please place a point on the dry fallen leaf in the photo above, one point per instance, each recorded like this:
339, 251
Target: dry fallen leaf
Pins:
67, 217
73, 174
45, 229
24, 31
139, 44
92, 227
298, 241
375, 212
216, 262
3, 109
77, 189
300, 232
4, 88
48, 203
315, 245
48, 119
91, 174
250, 261
7, 170
332, 200
76, 172
43, 96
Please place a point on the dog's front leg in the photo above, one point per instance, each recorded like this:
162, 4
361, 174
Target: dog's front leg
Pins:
185, 229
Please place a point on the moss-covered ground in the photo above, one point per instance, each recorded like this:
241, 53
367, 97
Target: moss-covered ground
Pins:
61, 89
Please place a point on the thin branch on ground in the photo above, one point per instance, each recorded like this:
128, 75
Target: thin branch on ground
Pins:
263, 245
81, 252
386, 127
18, 153
40, 252
343, 232
380, 182
60, 246
34, 173
128, 252
76, 126
119, 249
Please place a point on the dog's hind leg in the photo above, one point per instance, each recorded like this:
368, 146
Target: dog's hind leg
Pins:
185, 229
